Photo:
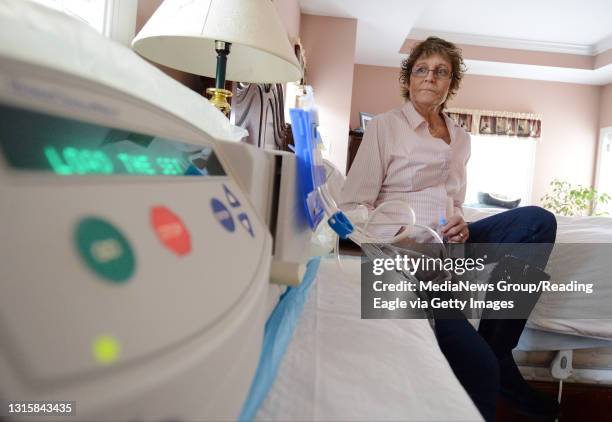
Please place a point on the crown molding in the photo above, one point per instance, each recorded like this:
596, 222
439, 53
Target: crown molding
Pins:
513, 43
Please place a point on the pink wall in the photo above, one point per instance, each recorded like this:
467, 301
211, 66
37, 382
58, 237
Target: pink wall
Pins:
603, 59
605, 108
375, 89
329, 45
570, 122
145, 10
289, 12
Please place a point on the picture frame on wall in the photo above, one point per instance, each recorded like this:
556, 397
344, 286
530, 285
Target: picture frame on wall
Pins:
364, 118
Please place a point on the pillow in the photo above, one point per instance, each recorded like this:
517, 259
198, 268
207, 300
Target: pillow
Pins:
497, 200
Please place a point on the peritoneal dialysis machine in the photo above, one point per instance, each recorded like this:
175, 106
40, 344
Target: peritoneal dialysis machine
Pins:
136, 253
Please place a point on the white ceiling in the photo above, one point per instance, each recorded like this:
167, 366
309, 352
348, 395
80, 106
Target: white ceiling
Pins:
557, 21
566, 26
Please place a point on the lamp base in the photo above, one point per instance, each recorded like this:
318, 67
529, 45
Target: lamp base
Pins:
218, 98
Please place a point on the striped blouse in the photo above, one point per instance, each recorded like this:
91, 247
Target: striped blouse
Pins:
399, 160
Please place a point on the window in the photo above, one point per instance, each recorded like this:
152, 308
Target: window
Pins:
115, 19
502, 165
89, 11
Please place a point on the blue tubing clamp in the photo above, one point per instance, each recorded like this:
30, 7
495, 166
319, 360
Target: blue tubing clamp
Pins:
340, 224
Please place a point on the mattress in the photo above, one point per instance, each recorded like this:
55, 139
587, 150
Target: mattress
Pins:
340, 367
575, 313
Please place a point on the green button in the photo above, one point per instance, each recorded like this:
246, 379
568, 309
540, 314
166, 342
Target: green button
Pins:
104, 249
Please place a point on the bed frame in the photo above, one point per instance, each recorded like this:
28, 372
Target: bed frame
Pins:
259, 108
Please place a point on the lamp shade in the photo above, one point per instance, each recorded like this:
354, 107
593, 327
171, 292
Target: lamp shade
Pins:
181, 34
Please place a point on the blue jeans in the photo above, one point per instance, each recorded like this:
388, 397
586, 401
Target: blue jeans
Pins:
528, 234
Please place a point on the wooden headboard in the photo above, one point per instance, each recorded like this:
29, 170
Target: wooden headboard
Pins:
259, 108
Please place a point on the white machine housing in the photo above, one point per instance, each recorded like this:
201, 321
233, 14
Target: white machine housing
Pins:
269, 179
189, 328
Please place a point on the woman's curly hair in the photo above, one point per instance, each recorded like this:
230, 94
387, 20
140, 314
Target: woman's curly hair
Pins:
434, 45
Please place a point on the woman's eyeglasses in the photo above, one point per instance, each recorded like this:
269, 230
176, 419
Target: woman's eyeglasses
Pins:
439, 72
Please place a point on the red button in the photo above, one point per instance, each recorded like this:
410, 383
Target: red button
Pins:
171, 230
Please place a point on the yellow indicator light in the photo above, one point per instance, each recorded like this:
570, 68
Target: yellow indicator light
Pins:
106, 349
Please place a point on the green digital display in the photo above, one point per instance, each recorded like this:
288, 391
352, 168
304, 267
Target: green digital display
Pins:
42, 142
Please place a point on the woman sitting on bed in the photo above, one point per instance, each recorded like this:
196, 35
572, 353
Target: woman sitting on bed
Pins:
417, 154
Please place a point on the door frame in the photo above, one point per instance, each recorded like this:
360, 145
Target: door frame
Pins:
603, 133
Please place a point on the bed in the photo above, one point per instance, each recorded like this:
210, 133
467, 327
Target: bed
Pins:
578, 325
559, 343
338, 366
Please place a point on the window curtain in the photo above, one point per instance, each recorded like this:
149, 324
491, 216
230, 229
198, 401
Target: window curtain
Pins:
481, 122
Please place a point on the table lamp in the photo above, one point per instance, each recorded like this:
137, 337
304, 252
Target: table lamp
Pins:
185, 34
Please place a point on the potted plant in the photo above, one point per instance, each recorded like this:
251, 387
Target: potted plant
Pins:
569, 200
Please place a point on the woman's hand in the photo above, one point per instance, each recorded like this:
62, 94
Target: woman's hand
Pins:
456, 230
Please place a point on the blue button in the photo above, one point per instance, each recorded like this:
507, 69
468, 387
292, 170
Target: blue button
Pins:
231, 198
222, 214
246, 223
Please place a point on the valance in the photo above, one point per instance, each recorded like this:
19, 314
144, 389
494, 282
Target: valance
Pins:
483, 122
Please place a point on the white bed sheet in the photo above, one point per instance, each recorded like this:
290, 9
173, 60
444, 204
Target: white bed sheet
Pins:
340, 367
581, 264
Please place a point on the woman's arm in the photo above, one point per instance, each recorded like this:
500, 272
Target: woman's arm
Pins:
366, 175
459, 197
456, 229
